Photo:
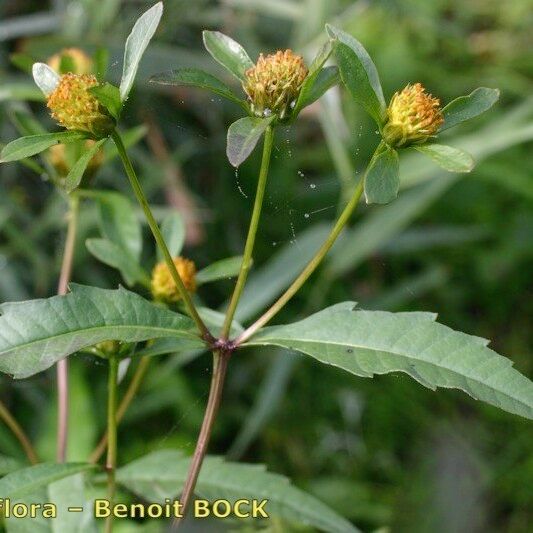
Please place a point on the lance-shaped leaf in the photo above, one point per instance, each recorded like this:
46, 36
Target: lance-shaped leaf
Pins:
194, 77
243, 136
173, 231
32, 478
382, 180
37, 333
76, 172
376, 342
35, 144
313, 88
136, 44
45, 78
161, 475
449, 158
223, 269
359, 73
229, 53
469, 106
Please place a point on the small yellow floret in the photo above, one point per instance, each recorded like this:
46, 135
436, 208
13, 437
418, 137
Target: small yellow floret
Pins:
163, 286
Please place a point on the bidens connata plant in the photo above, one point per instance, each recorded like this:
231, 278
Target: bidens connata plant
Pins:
123, 325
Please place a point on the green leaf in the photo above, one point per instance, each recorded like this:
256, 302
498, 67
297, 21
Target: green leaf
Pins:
78, 169
193, 77
118, 221
449, 158
31, 478
382, 180
136, 44
223, 269
366, 343
243, 135
229, 53
173, 230
45, 78
109, 96
315, 86
37, 333
469, 106
161, 475
34, 144
359, 73
113, 255
20, 92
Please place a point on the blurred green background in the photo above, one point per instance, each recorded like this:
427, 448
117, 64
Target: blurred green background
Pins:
383, 452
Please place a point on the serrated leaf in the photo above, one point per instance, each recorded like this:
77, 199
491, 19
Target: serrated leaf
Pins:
223, 269
173, 231
359, 73
113, 255
161, 475
118, 221
243, 135
315, 86
37, 333
35, 144
45, 78
229, 53
29, 479
469, 106
447, 157
109, 96
78, 169
136, 44
366, 343
382, 180
193, 77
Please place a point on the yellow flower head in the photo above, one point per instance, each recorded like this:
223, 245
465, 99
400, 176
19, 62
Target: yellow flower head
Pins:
60, 160
163, 286
80, 61
412, 117
75, 108
273, 84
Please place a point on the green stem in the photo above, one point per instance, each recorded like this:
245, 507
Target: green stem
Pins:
315, 261
220, 364
111, 461
62, 365
14, 426
252, 232
137, 189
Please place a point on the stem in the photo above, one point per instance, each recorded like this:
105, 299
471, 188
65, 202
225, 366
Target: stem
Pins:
133, 387
111, 462
315, 261
14, 426
220, 364
252, 232
141, 198
62, 365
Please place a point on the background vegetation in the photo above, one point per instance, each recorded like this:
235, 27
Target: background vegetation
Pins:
383, 452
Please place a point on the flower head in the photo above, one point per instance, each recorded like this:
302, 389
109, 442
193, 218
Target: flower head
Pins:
76, 108
273, 84
163, 285
107, 348
412, 117
79, 61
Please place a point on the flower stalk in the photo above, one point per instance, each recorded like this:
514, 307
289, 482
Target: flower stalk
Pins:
19, 433
111, 461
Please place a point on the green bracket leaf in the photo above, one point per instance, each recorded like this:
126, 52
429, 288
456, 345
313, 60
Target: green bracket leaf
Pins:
243, 135
229, 53
449, 158
382, 180
470, 106
359, 73
193, 77
76, 172
315, 86
35, 144
173, 231
109, 96
223, 269
136, 44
